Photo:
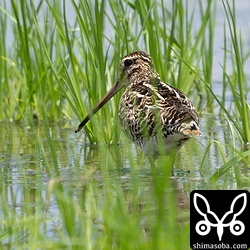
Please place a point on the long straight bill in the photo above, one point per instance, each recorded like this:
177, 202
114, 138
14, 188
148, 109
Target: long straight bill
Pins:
118, 86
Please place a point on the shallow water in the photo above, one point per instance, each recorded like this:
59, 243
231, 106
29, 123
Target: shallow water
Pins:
30, 167
34, 159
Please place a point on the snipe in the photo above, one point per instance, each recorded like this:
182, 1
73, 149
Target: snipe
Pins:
154, 115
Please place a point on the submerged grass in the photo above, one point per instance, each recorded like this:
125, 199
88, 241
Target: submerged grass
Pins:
56, 68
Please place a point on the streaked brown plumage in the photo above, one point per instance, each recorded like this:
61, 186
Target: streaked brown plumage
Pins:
154, 115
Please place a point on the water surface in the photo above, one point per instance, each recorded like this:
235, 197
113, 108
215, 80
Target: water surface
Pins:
34, 159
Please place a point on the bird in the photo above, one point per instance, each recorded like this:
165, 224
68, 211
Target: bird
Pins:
157, 117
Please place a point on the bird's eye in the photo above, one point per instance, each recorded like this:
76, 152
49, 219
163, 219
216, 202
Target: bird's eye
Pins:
128, 62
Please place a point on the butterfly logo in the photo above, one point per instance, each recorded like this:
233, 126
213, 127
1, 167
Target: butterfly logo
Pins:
203, 227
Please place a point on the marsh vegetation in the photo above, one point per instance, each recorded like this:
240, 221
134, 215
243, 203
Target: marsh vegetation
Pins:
61, 190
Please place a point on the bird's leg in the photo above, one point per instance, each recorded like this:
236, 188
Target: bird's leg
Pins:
151, 160
165, 164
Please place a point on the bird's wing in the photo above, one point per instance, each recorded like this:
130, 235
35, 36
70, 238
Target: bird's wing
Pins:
176, 111
155, 108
